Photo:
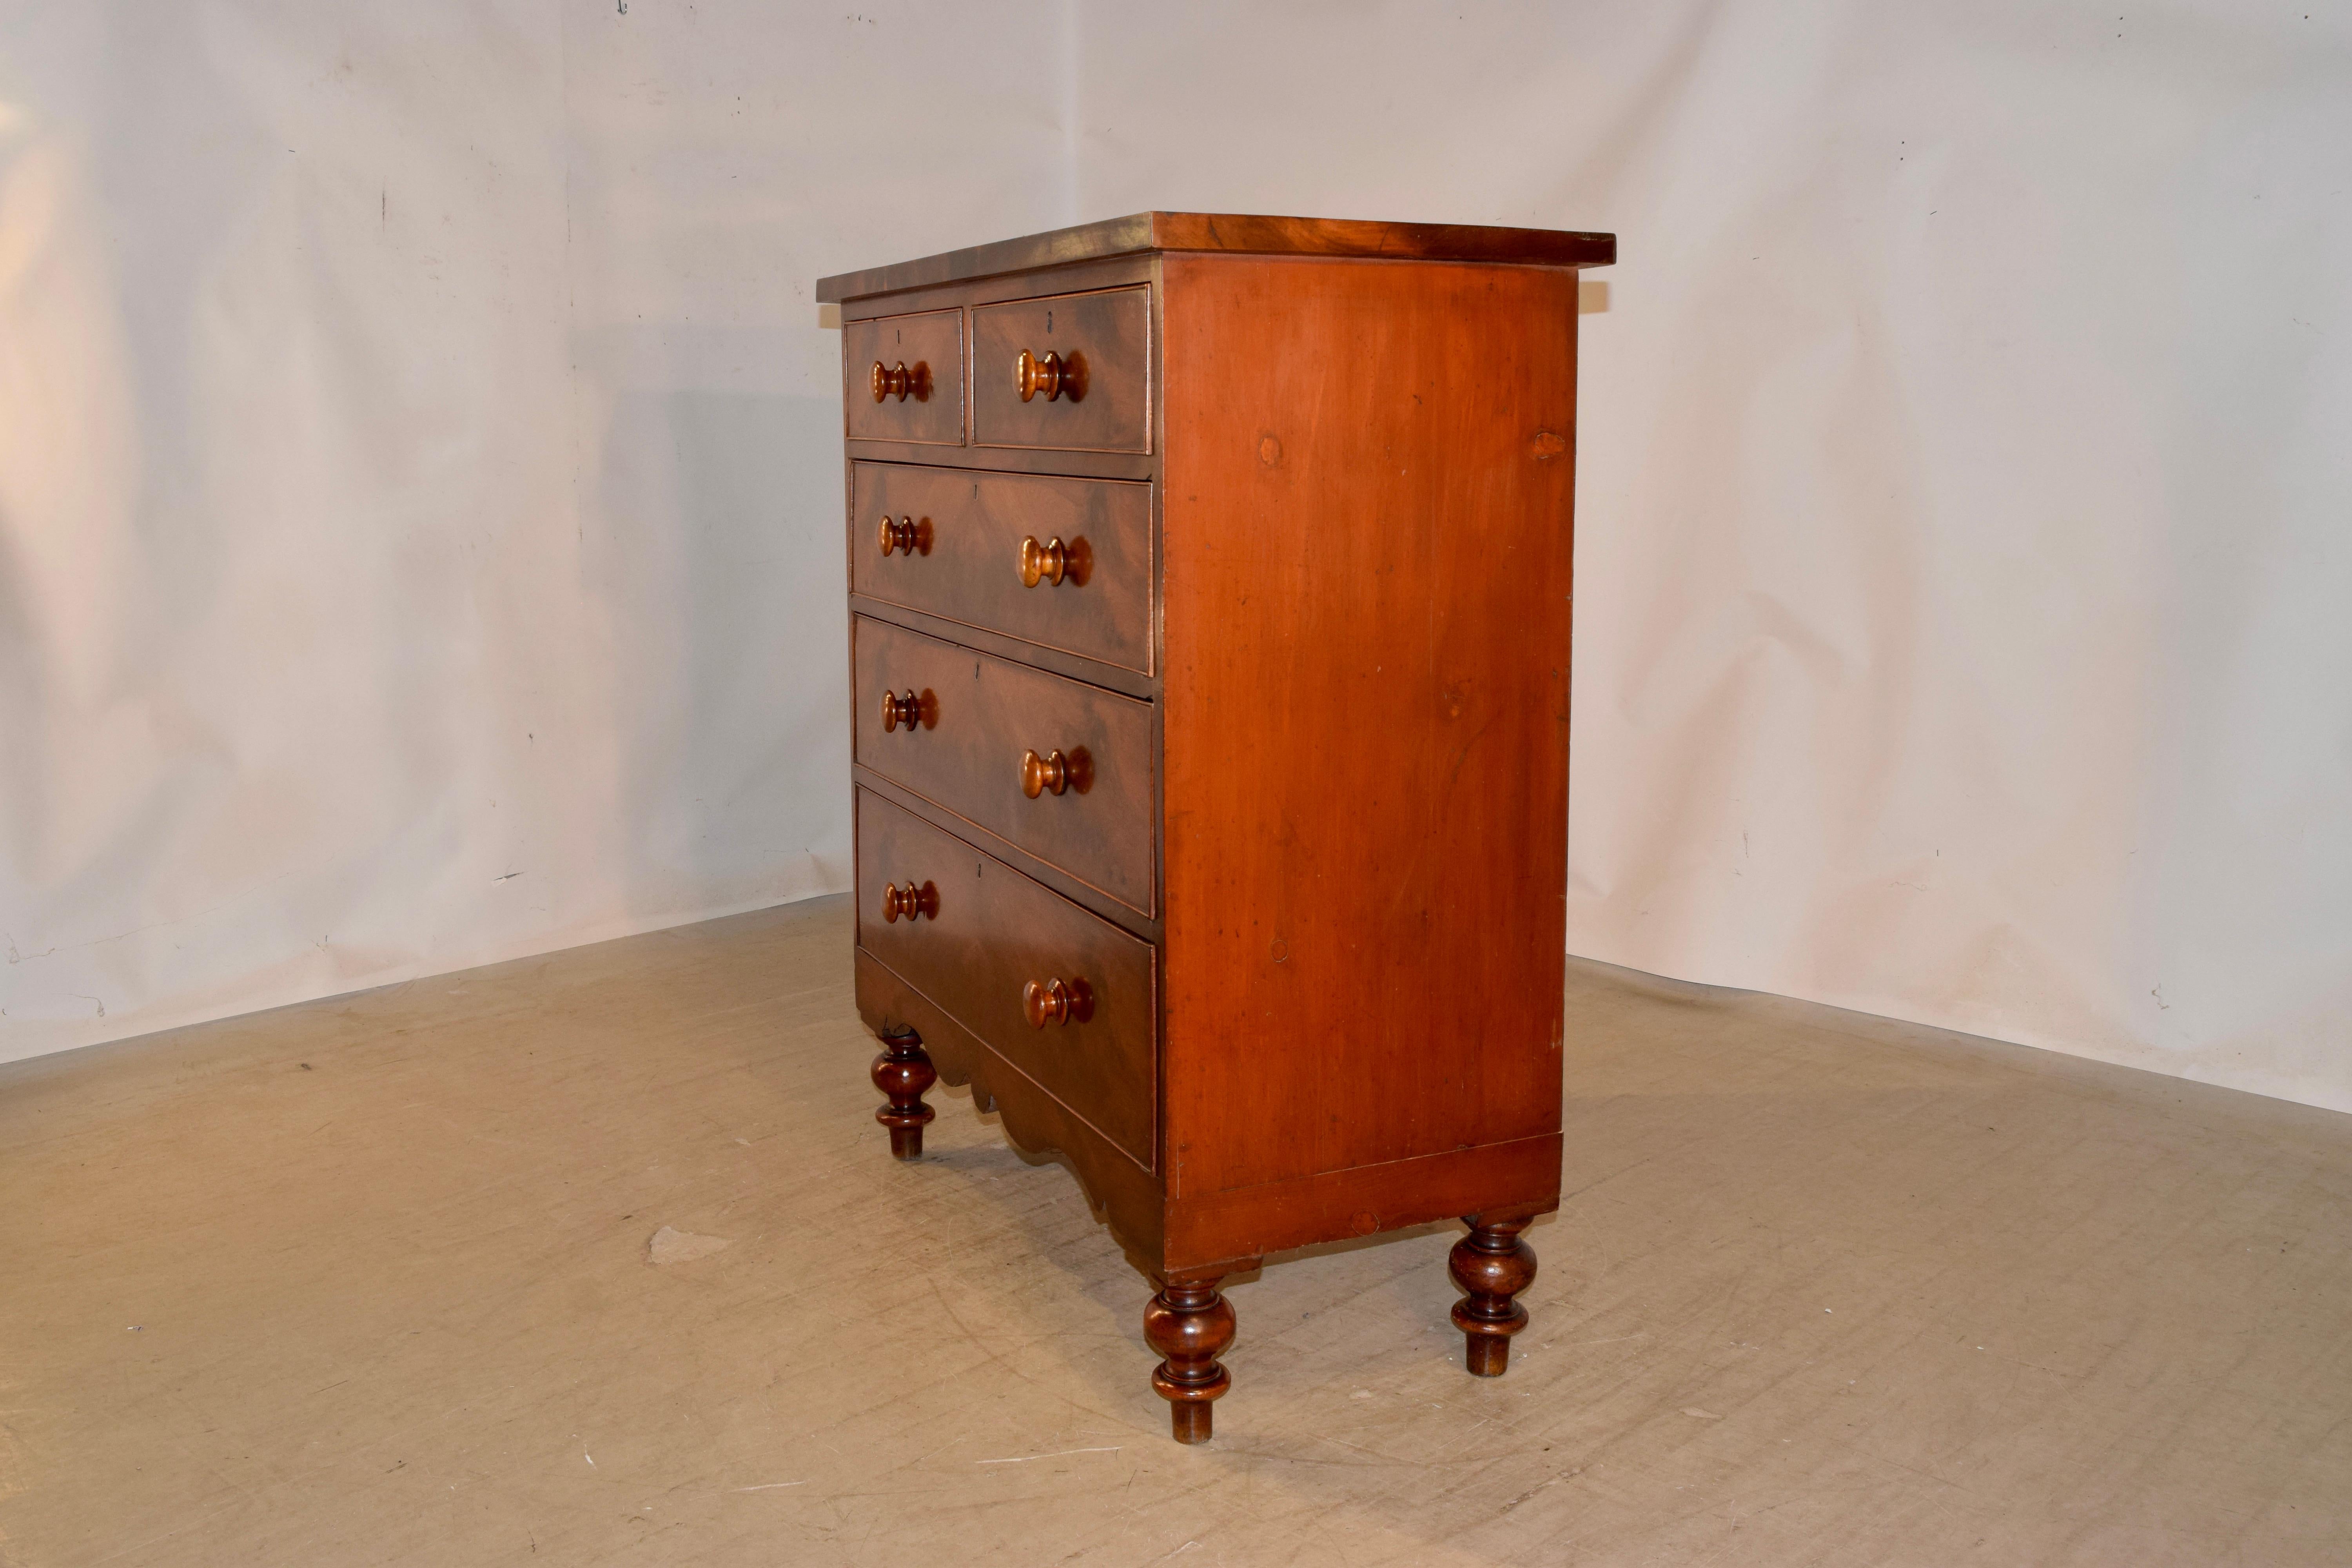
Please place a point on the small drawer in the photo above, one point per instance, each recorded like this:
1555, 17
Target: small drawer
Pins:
923, 403
975, 722
973, 934
1065, 563
1085, 374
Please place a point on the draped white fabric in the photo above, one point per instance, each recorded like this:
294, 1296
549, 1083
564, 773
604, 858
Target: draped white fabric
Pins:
420, 506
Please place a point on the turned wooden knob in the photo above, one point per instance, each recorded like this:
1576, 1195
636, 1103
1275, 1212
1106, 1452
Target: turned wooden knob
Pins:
1048, 561
1038, 774
910, 901
905, 536
904, 711
895, 382
1057, 1002
1032, 377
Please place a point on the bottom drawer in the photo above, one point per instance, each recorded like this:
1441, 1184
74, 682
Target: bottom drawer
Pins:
974, 935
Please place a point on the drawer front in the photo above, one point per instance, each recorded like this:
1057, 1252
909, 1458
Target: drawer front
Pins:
968, 532
929, 407
980, 934
1103, 341
977, 716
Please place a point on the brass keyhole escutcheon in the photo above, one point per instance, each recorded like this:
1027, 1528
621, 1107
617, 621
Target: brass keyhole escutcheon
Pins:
903, 711
910, 901
1057, 1002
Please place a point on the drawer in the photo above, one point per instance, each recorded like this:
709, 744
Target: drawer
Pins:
1101, 341
975, 718
968, 531
981, 934
928, 404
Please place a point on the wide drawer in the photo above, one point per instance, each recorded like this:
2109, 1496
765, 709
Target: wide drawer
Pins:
1065, 563
1100, 344
973, 934
925, 404
975, 718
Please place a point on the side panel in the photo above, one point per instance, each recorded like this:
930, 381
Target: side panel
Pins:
1366, 547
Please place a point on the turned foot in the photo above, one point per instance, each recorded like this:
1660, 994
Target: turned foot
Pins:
1189, 1324
902, 1072
1494, 1265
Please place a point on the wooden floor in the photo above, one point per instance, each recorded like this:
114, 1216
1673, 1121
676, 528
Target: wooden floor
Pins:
371, 1281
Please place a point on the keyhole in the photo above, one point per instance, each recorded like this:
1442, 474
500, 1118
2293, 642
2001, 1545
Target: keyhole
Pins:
1049, 323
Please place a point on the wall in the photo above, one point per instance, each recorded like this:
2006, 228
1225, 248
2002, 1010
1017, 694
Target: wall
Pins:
419, 495
1964, 492
415, 470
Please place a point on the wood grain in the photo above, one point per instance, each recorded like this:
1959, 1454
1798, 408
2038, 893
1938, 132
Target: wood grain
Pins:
1104, 337
931, 345
1232, 233
979, 714
1366, 572
994, 930
1121, 1192
973, 526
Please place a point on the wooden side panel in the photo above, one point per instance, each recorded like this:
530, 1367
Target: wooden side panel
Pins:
1366, 547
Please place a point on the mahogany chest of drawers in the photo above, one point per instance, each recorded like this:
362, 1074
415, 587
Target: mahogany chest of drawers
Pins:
1209, 587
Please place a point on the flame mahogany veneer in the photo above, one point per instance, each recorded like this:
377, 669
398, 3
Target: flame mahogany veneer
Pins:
1210, 593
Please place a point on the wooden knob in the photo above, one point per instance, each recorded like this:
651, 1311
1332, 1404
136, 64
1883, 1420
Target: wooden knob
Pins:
1048, 561
1057, 1002
904, 711
1032, 377
910, 901
893, 383
906, 536
1038, 774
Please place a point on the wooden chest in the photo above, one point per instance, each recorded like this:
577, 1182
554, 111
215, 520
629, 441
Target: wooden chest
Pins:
1209, 587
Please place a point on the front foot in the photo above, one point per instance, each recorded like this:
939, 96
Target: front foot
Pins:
1494, 1265
1190, 1324
902, 1072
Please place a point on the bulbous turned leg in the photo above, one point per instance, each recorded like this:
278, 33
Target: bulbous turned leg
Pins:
1494, 1265
1189, 1324
902, 1072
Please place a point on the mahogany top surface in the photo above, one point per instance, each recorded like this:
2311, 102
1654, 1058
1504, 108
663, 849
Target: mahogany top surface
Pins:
1237, 233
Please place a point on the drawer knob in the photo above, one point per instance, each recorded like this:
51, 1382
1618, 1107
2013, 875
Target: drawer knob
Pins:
1048, 561
910, 901
907, 536
1049, 376
904, 711
1055, 772
1057, 1002
898, 381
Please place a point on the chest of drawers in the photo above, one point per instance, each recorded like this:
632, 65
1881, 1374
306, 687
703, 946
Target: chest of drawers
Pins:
1210, 593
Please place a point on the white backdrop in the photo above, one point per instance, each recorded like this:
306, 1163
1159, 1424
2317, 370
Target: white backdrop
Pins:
419, 511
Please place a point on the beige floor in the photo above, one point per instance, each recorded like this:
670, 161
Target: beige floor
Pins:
368, 1282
